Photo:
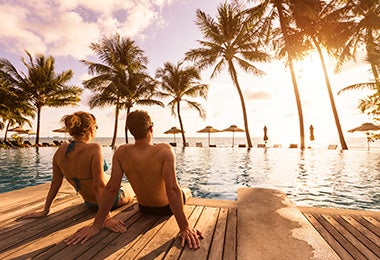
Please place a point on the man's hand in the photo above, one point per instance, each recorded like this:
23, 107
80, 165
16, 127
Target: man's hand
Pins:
82, 235
35, 214
115, 225
192, 236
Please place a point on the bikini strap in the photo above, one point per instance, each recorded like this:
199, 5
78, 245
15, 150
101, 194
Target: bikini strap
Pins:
71, 147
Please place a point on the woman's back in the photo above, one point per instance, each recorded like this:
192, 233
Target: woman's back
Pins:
82, 165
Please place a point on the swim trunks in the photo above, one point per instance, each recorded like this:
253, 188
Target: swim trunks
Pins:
159, 211
115, 203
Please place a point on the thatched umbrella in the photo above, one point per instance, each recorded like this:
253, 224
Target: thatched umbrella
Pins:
233, 129
174, 130
208, 129
61, 130
366, 127
311, 128
265, 137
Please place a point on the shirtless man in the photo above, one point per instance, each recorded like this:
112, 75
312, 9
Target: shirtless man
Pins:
150, 170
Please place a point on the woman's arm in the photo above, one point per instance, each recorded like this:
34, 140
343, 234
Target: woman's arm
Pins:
97, 172
54, 188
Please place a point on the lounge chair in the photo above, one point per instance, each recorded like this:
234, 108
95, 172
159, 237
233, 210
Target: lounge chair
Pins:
261, 146
198, 144
242, 145
293, 146
332, 147
173, 144
277, 146
212, 145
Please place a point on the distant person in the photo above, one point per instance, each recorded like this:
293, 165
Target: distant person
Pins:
81, 163
150, 170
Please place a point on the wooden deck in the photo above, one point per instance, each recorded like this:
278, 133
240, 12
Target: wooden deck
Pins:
351, 234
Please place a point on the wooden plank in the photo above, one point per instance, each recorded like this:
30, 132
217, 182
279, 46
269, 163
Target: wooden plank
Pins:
230, 241
17, 225
217, 242
176, 249
350, 237
44, 240
47, 240
164, 239
341, 251
100, 242
372, 225
324, 220
45, 226
104, 243
361, 233
206, 224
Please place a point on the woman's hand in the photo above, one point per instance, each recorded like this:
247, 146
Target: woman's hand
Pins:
36, 214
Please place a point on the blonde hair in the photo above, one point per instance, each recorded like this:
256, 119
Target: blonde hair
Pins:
79, 123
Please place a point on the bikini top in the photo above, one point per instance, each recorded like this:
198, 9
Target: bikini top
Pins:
76, 180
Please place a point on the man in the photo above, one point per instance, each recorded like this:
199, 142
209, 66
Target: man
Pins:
150, 170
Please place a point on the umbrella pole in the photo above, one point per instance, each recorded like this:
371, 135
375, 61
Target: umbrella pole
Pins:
209, 139
233, 139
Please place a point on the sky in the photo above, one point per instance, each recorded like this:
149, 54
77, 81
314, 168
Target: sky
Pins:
165, 30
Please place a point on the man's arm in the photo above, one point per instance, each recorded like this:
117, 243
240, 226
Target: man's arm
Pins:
190, 235
105, 205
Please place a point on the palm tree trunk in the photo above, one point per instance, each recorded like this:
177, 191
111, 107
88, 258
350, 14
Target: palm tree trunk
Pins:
126, 126
181, 124
38, 125
6, 130
235, 81
115, 127
278, 5
371, 50
331, 96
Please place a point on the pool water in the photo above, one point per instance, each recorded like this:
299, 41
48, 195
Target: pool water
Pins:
314, 177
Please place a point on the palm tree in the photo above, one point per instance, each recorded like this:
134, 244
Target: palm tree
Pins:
361, 26
361, 21
229, 39
42, 86
270, 13
177, 83
310, 19
13, 109
120, 78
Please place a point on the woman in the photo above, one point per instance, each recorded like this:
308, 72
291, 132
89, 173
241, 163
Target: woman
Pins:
81, 163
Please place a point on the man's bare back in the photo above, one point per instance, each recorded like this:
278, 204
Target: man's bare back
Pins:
143, 164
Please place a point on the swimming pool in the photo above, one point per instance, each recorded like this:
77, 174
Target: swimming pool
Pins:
314, 177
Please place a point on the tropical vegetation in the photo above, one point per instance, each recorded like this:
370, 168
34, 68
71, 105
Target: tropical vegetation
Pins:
229, 41
120, 78
237, 38
40, 85
178, 82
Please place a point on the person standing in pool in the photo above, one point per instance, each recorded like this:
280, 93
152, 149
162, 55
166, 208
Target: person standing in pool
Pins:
150, 169
81, 163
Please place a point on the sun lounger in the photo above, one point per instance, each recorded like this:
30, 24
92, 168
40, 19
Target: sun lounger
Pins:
261, 146
332, 147
173, 144
198, 145
292, 146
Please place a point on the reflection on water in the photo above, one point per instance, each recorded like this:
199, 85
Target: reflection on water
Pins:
314, 177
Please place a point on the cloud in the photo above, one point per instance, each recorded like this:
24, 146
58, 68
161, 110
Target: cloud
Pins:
62, 28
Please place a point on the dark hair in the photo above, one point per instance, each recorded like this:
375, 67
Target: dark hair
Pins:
138, 123
78, 123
